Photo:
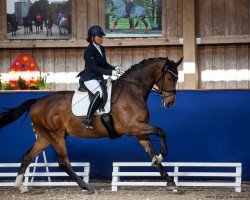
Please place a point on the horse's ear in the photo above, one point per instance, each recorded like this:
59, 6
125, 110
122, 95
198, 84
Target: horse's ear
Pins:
167, 60
179, 62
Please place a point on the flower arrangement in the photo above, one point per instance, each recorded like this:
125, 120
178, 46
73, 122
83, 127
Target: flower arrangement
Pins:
8, 86
33, 83
34, 86
43, 81
21, 83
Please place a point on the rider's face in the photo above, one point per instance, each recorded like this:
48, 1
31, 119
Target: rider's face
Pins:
98, 40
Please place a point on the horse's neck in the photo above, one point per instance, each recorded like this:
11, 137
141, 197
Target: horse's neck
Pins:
142, 79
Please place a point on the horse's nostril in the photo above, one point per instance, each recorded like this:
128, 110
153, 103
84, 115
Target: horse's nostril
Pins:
170, 104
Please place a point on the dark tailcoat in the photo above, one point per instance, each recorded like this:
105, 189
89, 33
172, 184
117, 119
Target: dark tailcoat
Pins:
96, 65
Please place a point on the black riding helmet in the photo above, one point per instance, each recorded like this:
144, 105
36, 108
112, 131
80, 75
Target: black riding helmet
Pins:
94, 31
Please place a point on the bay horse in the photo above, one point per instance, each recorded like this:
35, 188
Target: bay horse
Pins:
53, 120
138, 13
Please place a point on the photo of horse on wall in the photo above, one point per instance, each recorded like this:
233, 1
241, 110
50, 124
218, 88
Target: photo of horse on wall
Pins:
39, 19
128, 18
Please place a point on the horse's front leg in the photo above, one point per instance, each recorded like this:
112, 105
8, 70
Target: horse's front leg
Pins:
114, 21
146, 129
163, 152
136, 24
145, 143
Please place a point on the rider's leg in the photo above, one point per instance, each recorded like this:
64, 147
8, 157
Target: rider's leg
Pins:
94, 104
94, 87
128, 9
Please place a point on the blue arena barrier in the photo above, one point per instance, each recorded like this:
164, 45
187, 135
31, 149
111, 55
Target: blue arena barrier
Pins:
202, 126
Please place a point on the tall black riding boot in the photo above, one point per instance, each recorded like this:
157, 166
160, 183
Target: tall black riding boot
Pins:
94, 104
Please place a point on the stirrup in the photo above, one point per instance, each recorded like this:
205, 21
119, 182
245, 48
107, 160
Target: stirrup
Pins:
87, 124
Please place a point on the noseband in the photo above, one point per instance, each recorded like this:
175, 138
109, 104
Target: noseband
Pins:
162, 77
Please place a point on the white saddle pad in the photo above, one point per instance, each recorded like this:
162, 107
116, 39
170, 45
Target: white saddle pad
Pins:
80, 102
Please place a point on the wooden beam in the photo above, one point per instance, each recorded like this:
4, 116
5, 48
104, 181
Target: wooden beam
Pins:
226, 40
73, 43
189, 46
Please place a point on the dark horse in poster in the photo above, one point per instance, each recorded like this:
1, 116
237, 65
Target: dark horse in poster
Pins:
53, 119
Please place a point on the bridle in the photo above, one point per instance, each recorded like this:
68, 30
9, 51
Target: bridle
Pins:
162, 77
154, 89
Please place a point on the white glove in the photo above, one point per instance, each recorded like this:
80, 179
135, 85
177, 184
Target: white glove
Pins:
114, 73
118, 69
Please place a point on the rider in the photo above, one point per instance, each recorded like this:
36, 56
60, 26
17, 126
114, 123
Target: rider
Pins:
96, 66
48, 19
60, 15
38, 17
129, 5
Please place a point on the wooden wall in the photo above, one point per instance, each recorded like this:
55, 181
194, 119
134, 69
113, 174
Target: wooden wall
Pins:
217, 19
224, 66
70, 61
223, 44
223, 57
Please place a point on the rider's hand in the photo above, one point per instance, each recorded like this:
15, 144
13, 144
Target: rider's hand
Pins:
114, 73
118, 69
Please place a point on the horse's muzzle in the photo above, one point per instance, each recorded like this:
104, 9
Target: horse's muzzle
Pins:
168, 102
167, 105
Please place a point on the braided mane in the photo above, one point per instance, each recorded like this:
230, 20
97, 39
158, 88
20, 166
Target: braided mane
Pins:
141, 65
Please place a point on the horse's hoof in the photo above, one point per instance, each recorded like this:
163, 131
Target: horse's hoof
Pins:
23, 190
171, 185
92, 191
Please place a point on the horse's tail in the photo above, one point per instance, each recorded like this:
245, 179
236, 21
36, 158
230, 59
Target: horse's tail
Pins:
151, 20
11, 114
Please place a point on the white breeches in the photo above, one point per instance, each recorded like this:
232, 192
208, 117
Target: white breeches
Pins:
94, 86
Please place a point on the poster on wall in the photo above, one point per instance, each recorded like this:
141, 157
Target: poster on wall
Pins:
38, 19
133, 18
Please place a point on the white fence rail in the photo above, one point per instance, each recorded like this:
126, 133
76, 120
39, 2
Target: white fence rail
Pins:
7, 178
118, 172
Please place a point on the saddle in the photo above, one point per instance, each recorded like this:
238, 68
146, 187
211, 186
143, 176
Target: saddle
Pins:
80, 101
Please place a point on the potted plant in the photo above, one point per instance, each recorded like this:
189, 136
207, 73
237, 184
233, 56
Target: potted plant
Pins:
8, 86
21, 83
43, 81
34, 86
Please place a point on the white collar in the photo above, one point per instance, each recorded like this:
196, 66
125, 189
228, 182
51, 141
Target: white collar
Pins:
98, 48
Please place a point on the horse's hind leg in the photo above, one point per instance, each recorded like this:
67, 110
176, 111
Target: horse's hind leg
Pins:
145, 23
39, 146
64, 163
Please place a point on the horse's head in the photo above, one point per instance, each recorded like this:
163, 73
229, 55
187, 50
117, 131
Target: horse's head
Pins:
166, 80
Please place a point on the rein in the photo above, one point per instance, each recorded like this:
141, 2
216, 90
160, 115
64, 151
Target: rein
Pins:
150, 89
